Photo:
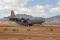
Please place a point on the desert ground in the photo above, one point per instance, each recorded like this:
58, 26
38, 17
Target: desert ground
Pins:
10, 31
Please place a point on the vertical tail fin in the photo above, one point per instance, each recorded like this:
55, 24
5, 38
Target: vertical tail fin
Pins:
12, 14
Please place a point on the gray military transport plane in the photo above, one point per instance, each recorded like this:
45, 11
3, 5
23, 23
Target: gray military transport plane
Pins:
23, 21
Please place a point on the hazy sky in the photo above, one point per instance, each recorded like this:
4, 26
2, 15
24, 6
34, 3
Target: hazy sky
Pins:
38, 8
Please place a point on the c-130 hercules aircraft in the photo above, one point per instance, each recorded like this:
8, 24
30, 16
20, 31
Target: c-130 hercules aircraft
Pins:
23, 21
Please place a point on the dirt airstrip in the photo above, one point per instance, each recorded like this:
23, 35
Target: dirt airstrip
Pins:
36, 32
